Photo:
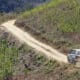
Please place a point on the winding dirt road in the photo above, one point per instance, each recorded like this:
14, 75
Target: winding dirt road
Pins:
31, 41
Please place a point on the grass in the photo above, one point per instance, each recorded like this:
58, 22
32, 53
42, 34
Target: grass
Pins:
40, 8
7, 57
57, 21
67, 20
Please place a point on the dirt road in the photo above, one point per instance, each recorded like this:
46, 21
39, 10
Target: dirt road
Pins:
31, 41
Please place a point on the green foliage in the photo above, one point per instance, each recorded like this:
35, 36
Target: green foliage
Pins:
40, 8
50, 66
8, 57
63, 14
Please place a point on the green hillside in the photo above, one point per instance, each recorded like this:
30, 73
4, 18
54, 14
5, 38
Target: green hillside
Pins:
56, 23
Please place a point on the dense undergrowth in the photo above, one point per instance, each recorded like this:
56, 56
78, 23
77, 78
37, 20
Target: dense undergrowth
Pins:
56, 23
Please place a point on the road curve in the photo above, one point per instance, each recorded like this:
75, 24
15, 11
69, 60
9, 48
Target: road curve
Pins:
31, 41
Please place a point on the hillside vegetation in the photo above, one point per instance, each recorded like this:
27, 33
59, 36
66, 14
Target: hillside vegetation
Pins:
21, 62
56, 23
48, 23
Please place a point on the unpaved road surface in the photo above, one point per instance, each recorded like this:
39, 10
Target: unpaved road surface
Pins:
31, 41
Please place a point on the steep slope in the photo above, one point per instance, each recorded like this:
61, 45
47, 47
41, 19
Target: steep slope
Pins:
56, 23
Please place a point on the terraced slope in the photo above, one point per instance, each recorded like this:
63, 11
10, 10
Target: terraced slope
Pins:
55, 23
